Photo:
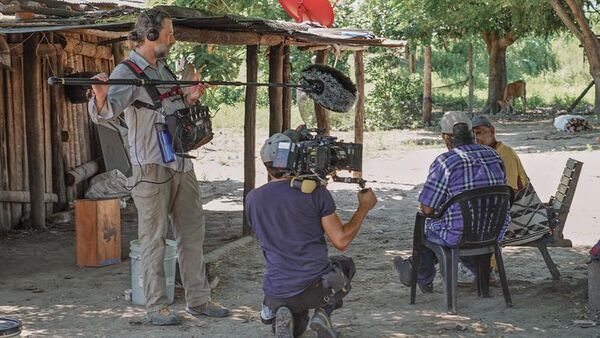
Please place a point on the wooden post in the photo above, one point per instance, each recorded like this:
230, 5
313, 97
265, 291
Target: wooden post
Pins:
56, 113
250, 129
23, 197
46, 109
275, 94
470, 76
5, 223
359, 118
35, 130
287, 92
117, 51
320, 112
12, 115
427, 87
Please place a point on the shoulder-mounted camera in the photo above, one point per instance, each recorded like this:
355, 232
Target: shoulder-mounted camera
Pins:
313, 155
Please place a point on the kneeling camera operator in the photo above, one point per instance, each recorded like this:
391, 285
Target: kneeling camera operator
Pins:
291, 220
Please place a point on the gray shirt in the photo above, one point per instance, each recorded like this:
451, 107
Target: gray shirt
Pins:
143, 141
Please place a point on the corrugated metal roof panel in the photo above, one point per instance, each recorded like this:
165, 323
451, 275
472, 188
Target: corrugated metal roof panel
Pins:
196, 19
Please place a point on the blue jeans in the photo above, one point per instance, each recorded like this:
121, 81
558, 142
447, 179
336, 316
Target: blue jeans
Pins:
426, 269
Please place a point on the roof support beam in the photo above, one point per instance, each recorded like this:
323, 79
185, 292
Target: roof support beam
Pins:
226, 38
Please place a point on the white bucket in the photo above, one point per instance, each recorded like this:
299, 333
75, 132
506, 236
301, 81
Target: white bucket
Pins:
137, 276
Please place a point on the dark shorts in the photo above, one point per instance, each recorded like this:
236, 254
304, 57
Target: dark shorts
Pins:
318, 295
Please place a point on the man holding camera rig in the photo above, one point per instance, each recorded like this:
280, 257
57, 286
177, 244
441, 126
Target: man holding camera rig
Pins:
164, 186
290, 223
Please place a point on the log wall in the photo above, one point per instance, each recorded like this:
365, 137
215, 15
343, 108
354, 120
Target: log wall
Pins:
59, 118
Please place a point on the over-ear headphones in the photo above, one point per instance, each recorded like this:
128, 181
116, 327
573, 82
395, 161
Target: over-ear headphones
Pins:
152, 34
307, 186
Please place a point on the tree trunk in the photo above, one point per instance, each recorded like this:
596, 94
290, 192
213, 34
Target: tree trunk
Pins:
470, 76
597, 94
578, 24
496, 47
427, 87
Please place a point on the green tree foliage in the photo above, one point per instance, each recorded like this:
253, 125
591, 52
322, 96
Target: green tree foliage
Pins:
528, 57
221, 62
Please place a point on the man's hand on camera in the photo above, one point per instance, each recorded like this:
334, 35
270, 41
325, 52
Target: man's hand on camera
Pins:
367, 199
100, 91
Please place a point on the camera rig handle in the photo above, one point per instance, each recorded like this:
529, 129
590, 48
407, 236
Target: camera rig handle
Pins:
361, 182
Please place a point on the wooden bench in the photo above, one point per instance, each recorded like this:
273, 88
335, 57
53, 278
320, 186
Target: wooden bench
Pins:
560, 203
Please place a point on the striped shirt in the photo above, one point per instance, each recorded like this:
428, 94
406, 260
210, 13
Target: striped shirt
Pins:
463, 168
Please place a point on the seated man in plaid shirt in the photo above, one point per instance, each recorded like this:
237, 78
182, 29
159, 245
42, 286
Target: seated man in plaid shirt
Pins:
464, 166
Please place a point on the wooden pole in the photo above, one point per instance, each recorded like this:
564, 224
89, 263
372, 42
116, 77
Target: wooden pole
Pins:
427, 87
576, 102
35, 130
359, 118
117, 50
250, 129
12, 136
56, 113
275, 94
470, 76
46, 115
5, 222
320, 112
23, 197
20, 177
287, 92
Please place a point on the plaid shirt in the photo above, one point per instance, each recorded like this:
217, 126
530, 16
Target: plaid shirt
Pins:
463, 168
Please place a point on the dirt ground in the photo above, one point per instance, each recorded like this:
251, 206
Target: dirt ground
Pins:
41, 286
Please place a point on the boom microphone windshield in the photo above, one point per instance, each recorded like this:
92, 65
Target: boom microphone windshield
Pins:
331, 88
326, 85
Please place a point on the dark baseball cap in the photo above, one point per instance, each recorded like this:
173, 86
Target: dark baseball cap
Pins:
480, 121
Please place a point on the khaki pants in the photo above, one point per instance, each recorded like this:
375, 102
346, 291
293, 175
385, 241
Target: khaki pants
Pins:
178, 199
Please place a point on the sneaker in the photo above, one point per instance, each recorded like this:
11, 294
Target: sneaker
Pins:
321, 324
284, 323
266, 315
493, 280
426, 288
404, 268
210, 309
465, 276
162, 317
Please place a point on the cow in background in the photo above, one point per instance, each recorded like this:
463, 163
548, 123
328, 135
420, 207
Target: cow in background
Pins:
512, 91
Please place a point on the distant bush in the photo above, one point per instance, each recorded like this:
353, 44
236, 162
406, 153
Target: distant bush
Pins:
535, 101
395, 101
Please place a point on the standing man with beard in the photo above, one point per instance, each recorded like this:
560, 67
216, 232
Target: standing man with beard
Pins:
162, 189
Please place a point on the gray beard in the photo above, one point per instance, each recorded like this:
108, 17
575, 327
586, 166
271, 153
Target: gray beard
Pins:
161, 52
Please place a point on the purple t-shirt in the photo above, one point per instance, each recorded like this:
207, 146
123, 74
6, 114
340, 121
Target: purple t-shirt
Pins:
287, 223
